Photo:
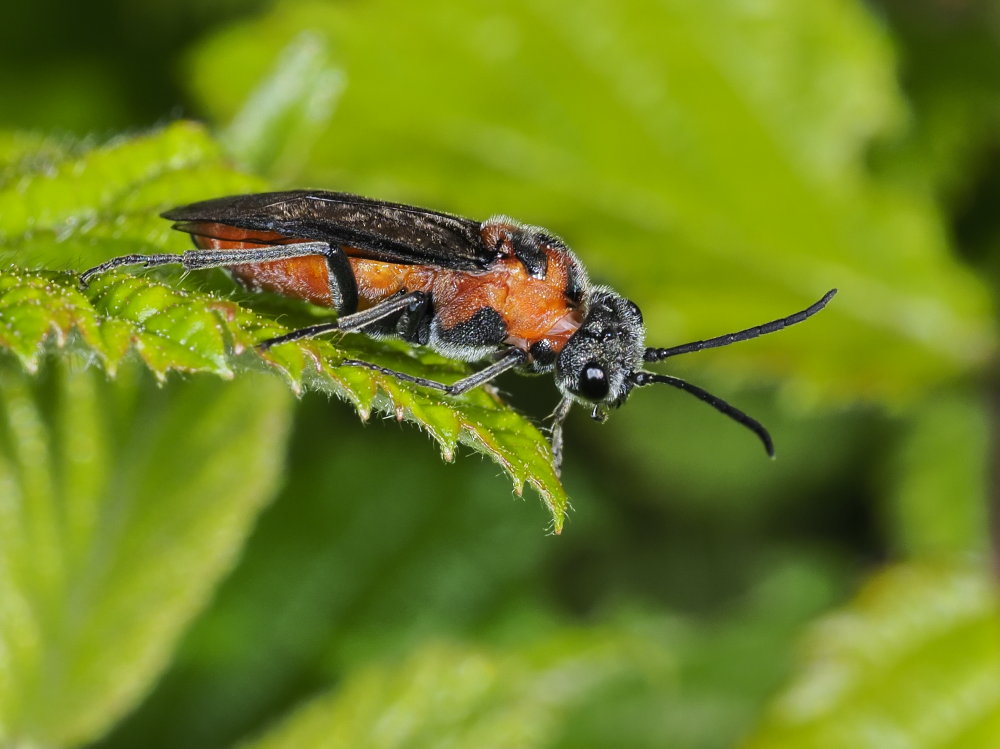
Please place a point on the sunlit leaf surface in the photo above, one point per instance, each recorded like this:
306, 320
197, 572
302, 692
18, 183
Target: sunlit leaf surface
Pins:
914, 662
446, 695
121, 506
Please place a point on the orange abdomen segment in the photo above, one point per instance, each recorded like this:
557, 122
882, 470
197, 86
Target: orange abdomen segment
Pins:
377, 281
300, 278
308, 277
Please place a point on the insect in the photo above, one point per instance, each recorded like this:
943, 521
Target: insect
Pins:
497, 290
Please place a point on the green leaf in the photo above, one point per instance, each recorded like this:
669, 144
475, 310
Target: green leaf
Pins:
710, 159
450, 695
282, 119
938, 503
122, 505
81, 209
914, 662
66, 206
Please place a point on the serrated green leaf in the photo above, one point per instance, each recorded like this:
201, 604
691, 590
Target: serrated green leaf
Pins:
454, 696
117, 519
101, 203
708, 158
71, 207
914, 662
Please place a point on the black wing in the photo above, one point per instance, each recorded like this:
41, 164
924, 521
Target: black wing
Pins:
389, 232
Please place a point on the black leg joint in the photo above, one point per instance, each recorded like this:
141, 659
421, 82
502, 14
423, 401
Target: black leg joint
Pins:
343, 285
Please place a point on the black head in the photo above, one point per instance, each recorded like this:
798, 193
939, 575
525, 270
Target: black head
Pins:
602, 361
595, 366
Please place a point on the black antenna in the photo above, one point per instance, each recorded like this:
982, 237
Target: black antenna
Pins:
648, 378
659, 354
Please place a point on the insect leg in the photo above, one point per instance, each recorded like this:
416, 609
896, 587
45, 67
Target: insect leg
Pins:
200, 259
349, 323
343, 287
558, 418
509, 360
405, 300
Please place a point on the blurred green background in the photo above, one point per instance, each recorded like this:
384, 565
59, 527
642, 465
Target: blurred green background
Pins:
721, 164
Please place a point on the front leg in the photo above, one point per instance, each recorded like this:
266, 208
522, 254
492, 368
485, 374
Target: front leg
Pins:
558, 419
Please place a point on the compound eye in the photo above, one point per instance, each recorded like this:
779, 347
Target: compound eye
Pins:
594, 382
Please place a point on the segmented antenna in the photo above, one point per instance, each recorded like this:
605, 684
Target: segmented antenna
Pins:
648, 378
659, 354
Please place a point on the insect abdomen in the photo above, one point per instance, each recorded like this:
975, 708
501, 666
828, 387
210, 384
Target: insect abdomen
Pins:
305, 278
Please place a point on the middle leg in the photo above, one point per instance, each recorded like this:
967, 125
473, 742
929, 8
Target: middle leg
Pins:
350, 323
